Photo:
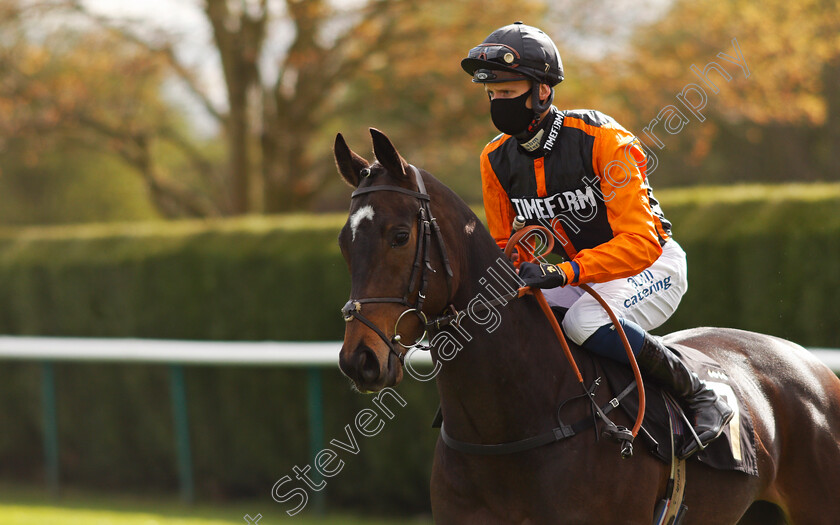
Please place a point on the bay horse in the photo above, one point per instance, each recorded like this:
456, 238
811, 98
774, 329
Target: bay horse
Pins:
410, 269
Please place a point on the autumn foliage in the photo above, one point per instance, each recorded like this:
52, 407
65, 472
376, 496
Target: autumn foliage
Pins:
73, 80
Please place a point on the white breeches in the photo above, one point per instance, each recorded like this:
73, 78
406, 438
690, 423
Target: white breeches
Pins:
648, 299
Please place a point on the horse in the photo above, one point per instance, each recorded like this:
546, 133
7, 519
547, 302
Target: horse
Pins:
411, 269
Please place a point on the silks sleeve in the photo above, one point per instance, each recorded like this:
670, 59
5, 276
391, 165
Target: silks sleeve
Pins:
619, 161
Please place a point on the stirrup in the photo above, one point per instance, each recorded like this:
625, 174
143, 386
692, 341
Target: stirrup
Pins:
700, 445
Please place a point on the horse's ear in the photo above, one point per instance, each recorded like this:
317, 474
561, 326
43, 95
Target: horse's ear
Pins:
387, 154
349, 163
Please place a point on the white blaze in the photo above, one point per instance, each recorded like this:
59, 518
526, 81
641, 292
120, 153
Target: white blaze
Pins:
365, 212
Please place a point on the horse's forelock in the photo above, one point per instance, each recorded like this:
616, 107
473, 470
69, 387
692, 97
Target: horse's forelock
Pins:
379, 173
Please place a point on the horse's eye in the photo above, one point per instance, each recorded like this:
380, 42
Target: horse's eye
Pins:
400, 239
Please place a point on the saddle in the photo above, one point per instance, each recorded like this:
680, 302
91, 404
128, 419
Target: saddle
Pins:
733, 450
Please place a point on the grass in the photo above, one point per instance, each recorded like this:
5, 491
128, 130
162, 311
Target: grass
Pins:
26, 507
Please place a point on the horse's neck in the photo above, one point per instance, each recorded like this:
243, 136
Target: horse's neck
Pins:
507, 370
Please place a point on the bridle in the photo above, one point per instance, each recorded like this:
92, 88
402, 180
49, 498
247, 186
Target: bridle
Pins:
426, 226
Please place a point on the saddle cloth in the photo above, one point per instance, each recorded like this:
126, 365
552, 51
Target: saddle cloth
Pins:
733, 450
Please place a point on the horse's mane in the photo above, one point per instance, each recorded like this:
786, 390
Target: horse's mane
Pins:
465, 214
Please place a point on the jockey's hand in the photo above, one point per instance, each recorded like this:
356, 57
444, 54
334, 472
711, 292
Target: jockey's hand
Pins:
542, 275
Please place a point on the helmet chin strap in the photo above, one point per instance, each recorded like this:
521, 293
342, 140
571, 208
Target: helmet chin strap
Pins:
538, 108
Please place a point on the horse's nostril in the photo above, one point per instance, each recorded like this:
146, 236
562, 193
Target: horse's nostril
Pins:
345, 363
368, 365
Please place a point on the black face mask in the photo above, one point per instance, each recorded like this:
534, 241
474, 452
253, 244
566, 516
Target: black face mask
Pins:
510, 114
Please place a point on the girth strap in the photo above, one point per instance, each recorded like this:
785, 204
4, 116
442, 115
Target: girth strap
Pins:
556, 434
552, 436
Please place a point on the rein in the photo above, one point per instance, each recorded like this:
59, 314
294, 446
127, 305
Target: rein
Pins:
426, 226
616, 433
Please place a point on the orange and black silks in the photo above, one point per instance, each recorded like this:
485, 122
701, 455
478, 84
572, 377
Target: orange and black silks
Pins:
586, 182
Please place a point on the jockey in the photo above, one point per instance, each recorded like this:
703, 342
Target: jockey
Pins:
582, 175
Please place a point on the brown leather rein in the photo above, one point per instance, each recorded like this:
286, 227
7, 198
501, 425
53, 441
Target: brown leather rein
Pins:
513, 243
619, 434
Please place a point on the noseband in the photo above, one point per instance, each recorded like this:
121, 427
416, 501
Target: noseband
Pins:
426, 226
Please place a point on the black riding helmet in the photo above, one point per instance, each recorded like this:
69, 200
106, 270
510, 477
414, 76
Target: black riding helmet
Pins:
517, 48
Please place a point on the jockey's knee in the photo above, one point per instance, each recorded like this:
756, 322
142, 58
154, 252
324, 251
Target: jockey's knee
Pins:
580, 323
606, 341
588, 325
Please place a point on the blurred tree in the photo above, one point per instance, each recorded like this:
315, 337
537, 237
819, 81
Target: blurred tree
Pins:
90, 89
299, 102
68, 184
295, 72
780, 123
276, 100
367, 63
415, 90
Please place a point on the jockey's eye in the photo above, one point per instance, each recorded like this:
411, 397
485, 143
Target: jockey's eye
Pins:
400, 239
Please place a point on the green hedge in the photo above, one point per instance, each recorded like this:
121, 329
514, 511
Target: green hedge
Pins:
246, 279
238, 280
760, 258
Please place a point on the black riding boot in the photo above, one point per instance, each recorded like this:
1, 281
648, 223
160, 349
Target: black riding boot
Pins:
711, 413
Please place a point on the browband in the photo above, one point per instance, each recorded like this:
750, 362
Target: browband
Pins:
422, 195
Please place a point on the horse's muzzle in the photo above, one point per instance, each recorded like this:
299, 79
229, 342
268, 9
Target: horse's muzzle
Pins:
368, 372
